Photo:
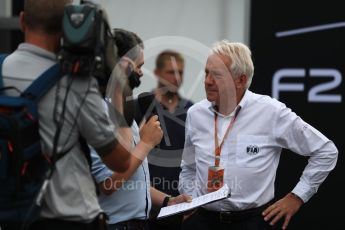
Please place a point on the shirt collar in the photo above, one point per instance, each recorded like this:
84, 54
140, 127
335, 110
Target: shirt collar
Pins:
245, 98
242, 103
181, 102
27, 47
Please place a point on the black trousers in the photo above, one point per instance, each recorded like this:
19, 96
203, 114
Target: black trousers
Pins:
167, 223
203, 219
129, 225
54, 224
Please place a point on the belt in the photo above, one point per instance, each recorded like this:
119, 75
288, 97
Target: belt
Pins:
233, 216
133, 223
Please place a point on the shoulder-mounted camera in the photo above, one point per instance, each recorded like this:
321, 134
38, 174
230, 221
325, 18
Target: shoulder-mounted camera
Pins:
87, 47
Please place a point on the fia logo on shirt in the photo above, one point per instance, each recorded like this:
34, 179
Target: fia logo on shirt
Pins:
253, 150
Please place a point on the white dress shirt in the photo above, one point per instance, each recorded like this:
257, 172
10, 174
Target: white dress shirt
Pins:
251, 152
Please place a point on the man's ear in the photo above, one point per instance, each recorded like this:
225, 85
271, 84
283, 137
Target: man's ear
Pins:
125, 62
241, 82
156, 72
22, 23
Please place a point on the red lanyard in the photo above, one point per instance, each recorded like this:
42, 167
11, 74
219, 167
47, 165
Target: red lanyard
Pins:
217, 147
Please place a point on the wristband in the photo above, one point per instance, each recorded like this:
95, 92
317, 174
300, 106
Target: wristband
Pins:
166, 201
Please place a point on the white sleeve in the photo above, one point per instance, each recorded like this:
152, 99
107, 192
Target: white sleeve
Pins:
298, 136
187, 175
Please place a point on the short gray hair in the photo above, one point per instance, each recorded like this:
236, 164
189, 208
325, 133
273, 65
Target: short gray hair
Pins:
239, 56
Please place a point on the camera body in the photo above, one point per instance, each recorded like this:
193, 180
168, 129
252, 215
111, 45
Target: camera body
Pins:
87, 47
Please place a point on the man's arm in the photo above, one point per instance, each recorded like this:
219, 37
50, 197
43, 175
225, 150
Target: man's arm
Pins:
298, 136
151, 134
94, 124
295, 134
158, 198
118, 157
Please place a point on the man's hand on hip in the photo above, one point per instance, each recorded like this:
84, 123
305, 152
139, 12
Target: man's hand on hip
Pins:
285, 207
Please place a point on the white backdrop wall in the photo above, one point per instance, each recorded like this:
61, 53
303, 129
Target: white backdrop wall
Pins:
188, 26
5, 8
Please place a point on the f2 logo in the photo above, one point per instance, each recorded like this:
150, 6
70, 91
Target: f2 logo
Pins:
314, 94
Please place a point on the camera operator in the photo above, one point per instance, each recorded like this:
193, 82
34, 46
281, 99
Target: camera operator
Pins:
70, 201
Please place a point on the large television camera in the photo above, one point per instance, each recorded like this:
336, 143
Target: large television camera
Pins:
87, 47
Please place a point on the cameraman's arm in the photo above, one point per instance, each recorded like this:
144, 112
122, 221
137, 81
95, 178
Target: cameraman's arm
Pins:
116, 155
151, 134
109, 140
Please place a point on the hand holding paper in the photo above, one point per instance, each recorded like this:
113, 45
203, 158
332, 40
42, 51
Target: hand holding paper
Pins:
222, 193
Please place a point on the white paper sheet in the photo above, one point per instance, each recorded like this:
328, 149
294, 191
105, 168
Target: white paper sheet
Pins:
220, 194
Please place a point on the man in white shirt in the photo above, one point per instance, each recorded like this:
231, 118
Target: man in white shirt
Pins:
251, 131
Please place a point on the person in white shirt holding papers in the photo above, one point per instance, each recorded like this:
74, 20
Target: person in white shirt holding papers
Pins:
235, 137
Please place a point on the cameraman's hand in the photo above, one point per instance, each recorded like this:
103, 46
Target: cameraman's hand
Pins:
151, 132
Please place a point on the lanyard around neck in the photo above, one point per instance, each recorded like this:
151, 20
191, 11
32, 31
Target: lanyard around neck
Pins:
218, 148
